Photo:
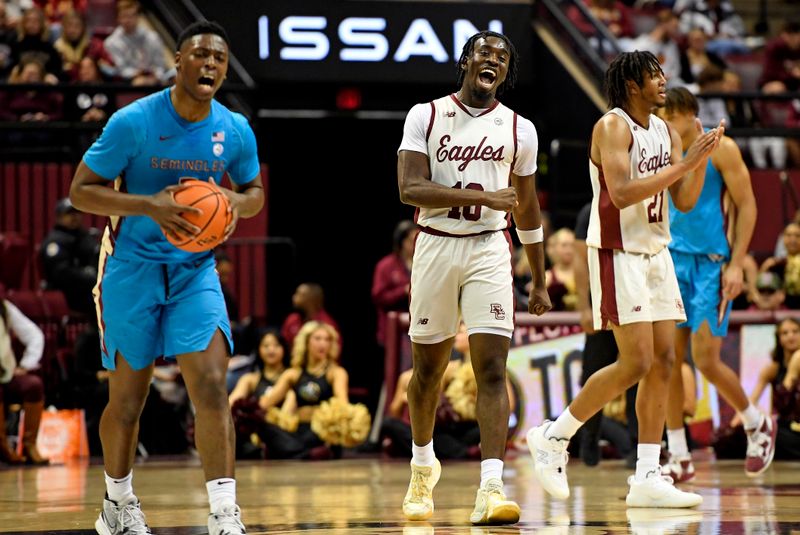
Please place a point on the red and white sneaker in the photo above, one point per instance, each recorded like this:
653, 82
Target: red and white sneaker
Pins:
760, 447
679, 468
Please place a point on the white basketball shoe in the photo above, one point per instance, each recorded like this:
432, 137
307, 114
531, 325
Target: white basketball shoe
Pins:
549, 460
658, 491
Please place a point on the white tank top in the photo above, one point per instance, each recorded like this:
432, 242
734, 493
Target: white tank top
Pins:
644, 226
467, 152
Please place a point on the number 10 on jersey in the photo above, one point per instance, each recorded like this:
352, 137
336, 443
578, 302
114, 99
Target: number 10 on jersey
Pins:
470, 213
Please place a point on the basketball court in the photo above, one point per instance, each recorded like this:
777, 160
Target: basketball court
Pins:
359, 496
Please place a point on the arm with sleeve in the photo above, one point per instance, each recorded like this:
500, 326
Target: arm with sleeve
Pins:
29, 334
116, 146
246, 167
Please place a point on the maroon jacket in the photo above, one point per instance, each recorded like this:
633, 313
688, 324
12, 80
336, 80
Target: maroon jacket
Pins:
776, 58
390, 284
15, 104
625, 21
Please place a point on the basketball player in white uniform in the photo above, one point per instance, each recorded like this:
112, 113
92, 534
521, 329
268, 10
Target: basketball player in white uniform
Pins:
635, 158
465, 162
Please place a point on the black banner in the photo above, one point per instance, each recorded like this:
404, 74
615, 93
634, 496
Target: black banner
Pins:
362, 41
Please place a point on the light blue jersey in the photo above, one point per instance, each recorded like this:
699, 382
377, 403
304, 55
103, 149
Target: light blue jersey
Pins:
700, 250
703, 229
152, 298
146, 146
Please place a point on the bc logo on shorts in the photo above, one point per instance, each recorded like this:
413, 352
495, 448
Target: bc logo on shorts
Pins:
497, 310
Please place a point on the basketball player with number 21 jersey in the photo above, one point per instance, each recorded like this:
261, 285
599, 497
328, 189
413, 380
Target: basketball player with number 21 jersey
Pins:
634, 158
466, 161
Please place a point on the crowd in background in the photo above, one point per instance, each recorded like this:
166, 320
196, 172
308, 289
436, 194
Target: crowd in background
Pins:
49, 42
704, 45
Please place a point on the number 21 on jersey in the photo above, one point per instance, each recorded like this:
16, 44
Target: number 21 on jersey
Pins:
655, 214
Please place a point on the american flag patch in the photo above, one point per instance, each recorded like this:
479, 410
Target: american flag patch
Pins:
218, 137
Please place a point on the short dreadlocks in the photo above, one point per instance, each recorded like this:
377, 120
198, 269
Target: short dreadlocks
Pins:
469, 48
628, 66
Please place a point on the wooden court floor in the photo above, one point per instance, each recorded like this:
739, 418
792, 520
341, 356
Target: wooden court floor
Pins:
359, 496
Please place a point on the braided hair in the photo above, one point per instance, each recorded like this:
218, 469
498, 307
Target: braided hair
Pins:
628, 66
469, 48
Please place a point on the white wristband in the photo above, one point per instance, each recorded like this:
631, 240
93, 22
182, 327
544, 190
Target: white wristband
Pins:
531, 236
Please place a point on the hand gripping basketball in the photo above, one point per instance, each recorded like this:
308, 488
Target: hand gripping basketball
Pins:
212, 218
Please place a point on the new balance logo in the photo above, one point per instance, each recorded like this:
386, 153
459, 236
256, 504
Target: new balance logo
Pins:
497, 310
450, 114
637, 308
679, 305
422, 321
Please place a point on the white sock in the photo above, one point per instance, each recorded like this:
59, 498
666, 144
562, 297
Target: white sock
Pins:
565, 426
491, 469
422, 455
647, 460
221, 492
119, 489
751, 417
676, 442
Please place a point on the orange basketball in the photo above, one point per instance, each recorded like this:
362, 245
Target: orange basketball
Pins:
212, 222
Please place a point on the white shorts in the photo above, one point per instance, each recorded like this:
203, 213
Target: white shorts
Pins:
470, 277
633, 287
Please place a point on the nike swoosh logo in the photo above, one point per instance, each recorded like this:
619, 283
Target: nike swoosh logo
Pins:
223, 482
164, 138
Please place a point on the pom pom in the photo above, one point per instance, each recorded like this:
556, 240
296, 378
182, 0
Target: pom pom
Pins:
462, 392
285, 420
339, 423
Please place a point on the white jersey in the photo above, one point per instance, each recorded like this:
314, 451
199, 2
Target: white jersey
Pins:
644, 226
469, 149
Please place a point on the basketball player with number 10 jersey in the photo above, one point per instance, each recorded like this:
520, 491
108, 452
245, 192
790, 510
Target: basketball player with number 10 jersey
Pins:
465, 162
471, 149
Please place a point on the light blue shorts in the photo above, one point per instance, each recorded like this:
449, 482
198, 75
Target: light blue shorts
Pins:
147, 310
700, 282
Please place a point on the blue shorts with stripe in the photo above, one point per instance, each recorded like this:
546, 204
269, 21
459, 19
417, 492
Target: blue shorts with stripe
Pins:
700, 283
147, 309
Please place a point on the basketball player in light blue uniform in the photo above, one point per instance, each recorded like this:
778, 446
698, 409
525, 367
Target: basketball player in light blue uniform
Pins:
708, 247
156, 300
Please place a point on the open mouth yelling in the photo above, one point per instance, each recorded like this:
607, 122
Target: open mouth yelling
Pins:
207, 83
487, 78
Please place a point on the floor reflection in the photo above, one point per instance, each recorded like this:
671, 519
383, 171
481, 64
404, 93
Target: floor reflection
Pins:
363, 496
